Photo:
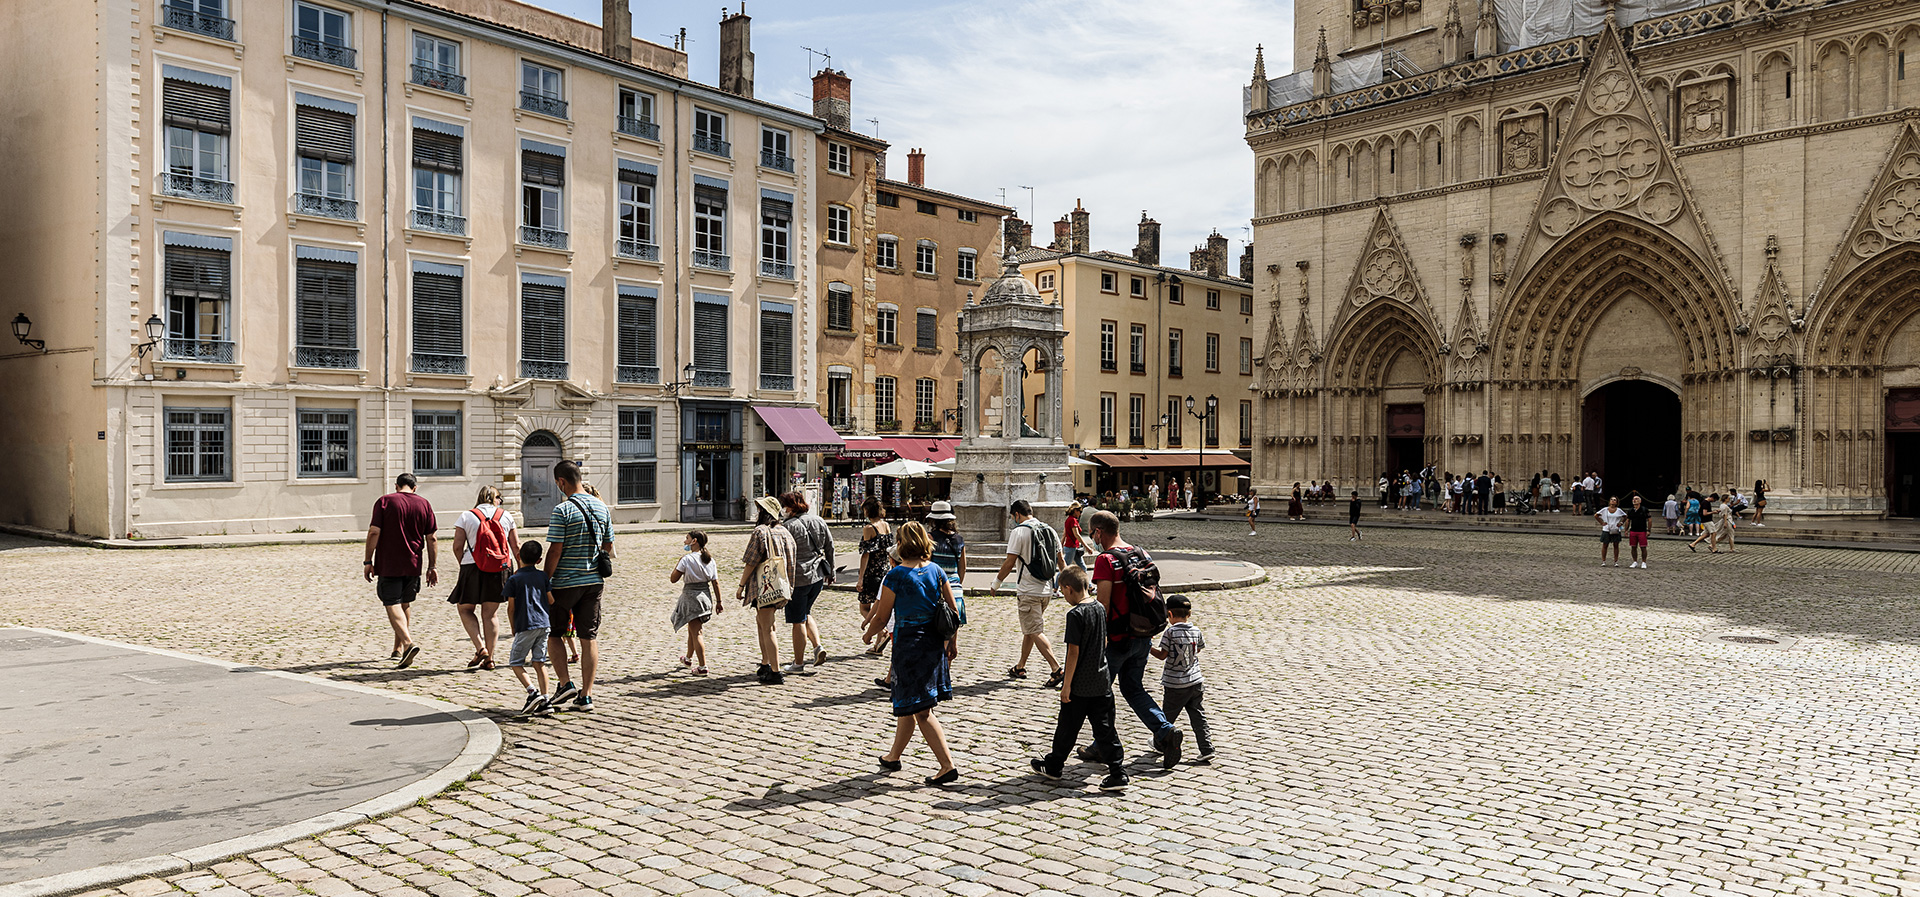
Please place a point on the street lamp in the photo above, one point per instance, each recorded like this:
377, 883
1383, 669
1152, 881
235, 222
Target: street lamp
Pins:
1200, 451
156, 328
686, 380
22, 325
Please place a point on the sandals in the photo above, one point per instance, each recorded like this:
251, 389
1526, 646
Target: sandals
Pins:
479, 657
488, 663
1058, 677
1017, 673
883, 683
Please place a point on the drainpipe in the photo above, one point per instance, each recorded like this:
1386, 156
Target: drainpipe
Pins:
386, 260
682, 306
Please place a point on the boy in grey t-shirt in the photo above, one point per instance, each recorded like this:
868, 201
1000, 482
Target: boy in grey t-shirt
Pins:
1086, 695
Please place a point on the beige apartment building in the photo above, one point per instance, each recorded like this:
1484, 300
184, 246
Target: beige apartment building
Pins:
1670, 241
1143, 338
280, 252
897, 262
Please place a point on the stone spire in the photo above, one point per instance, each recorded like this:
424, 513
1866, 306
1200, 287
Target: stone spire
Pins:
1323, 64
1257, 90
1259, 63
1450, 35
1486, 34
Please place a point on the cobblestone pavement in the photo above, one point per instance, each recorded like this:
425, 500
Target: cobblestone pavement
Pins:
1419, 713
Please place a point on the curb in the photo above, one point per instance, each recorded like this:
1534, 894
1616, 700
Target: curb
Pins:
484, 743
1746, 535
347, 538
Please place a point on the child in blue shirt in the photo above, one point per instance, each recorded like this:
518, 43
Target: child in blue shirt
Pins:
528, 593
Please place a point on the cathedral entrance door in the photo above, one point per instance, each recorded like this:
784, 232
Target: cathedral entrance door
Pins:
1406, 438
1903, 452
1630, 434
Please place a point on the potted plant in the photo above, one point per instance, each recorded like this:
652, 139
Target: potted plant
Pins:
887, 426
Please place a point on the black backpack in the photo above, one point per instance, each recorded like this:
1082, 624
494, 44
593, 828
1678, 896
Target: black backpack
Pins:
1144, 614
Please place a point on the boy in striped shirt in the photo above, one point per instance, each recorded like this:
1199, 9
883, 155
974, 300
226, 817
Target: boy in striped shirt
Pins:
1180, 679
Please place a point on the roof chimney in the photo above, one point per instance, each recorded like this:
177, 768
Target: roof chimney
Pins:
1018, 233
1246, 263
1216, 255
1062, 235
833, 99
1197, 260
616, 30
1147, 251
1082, 230
917, 167
736, 53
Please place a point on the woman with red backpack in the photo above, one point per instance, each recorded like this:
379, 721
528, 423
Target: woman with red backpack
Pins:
483, 541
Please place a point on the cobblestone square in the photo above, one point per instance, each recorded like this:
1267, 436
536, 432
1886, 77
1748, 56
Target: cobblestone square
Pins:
1419, 713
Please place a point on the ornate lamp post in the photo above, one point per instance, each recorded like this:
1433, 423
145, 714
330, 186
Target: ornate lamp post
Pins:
1200, 452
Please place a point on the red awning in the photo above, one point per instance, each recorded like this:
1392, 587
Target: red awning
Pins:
801, 430
1175, 461
931, 449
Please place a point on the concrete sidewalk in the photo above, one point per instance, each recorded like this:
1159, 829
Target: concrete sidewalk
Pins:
127, 761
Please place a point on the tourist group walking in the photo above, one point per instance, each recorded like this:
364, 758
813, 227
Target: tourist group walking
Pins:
909, 597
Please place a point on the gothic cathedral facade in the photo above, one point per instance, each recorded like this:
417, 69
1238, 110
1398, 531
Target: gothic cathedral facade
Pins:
1674, 249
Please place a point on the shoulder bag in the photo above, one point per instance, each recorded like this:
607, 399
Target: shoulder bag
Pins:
602, 561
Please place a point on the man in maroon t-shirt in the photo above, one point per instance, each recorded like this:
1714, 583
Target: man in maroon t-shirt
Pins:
402, 526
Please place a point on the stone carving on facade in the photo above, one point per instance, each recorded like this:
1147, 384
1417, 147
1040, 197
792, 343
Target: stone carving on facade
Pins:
1704, 107
1385, 270
1613, 161
1523, 142
1888, 218
1771, 330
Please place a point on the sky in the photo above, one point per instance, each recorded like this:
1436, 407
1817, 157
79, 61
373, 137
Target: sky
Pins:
1125, 105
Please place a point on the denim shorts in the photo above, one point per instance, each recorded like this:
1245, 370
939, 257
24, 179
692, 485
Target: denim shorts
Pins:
528, 645
800, 605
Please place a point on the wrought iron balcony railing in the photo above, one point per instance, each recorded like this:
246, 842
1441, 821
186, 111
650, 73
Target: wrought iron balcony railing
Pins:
323, 51
777, 382
439, 222
428, 363
182, 19
428, 76
544, 237
543, 104
713, 379
325, 357
711, 145
778, 270
323, 206
713, 261
543, 370
635, 373
776, 161
196, 187
212, 351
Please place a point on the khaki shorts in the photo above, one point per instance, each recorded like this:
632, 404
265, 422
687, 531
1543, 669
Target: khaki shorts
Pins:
1033, 613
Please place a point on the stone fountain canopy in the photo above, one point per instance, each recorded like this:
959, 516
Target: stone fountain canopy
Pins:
992, 470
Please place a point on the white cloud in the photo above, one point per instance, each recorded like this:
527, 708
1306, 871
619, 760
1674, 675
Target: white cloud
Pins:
1125, 105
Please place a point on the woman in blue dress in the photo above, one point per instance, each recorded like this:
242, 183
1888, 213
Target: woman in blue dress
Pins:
922, 677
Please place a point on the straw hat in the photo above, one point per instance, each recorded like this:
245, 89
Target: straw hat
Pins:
770, 505
940, 511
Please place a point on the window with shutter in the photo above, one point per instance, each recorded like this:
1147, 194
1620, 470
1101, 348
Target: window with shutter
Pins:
198, 289
323, 134
439, 152
323, 145
776, 224
636, 214
776, 348
325, 312
710, 228
639, 340
540, 168
839, 307
436, 183
198, 120
926, 329
542, 176
439, 344
635, 454
710, 344
543, 331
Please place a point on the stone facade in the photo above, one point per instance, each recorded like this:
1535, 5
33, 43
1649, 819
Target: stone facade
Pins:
175, 137
1676, 251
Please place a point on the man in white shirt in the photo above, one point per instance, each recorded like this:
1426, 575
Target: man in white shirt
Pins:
1029, 540
1612, 523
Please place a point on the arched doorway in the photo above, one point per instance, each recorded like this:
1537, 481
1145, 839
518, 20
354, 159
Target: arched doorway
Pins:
538, 494
1630, 435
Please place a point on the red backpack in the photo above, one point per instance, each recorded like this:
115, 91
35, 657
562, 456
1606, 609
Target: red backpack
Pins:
491, 553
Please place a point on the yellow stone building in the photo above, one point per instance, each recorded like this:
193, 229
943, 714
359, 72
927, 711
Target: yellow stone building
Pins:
279, 253
1670, 241
1142, 338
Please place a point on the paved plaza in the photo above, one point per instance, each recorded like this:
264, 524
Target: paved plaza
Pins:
1423, 712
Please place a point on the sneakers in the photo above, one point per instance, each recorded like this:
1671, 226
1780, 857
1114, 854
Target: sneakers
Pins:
1046, 772
583, 704
770, 676
407, 657
1115, 781
799, 668
565, 692
1169, 744
819, 656
535, 703
1206, 755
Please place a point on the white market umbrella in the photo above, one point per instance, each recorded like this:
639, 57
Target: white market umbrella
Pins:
907, 468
